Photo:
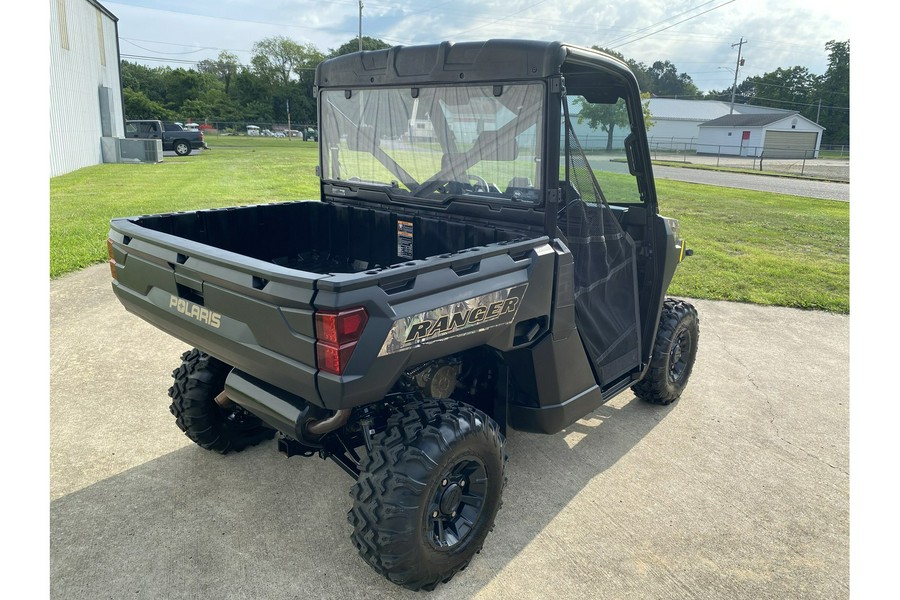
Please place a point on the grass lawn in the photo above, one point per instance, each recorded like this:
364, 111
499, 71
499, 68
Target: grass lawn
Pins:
749, 246
234, 171
760, 247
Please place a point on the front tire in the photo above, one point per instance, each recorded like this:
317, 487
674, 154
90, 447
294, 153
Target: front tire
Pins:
674, 353
182, 148
428, 492
198, 381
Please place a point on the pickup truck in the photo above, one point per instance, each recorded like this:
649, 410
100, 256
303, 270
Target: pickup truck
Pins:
465, 269
174, 137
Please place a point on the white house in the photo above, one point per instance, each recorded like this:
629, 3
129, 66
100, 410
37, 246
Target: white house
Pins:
676, 122
766, 135
85, 83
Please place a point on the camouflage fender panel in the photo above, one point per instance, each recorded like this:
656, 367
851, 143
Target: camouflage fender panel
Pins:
457, 319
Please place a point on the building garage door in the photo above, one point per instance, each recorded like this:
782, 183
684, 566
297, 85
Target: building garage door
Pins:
790, 144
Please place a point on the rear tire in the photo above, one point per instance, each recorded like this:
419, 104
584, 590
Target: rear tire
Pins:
674, 353
198, 381
428, 492
181, 147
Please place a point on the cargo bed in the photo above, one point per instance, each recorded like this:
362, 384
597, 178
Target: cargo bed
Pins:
244, 284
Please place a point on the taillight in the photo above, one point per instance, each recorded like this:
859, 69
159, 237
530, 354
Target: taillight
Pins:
201, 135
337, 333
112, 261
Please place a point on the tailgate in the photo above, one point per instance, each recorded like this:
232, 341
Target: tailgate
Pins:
254, 315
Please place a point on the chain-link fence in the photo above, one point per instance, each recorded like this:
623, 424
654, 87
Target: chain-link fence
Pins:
828, 161
259, 129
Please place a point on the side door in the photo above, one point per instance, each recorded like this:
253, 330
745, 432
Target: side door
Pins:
602, 217
150, 130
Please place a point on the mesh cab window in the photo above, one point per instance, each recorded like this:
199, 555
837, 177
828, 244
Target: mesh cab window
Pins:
481, 141
601, 130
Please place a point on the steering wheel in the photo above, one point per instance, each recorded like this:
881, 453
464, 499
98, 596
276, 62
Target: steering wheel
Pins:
480, 184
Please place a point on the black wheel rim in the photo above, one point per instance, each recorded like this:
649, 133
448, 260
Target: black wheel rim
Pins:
678, 355
456, 505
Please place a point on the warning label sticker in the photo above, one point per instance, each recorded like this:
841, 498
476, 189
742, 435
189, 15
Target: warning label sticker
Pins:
405, 239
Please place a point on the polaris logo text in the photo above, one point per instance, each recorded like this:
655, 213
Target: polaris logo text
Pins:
474, 316
194, 311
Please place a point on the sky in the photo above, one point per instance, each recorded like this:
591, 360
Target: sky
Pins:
696, 35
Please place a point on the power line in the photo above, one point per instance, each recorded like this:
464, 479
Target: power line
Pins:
843, 108
788, 87
180, 44
246, 21
160, 59
161, 52
626, 36
506, 17
195, 62
674, 24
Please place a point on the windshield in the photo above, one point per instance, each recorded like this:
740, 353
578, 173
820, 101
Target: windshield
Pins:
436, 142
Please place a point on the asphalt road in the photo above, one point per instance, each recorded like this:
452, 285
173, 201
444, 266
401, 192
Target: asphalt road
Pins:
809, 188
738, 491
826, 190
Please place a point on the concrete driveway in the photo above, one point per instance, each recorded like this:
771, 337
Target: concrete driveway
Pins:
739, 490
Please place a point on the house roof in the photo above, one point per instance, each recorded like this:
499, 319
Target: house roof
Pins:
104, 10
751, 120
675, 109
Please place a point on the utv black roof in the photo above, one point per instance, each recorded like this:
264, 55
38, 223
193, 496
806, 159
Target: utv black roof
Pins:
466, 62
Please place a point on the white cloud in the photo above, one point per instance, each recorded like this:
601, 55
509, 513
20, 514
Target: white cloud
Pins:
780, 33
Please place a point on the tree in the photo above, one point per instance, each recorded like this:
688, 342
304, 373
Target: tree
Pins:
660, 79
181, 85
665, 80
288, 69
605, 117
282, 60
824, 99
352, 45
139, 106
148, 81
791, 88
638, 68
212, 105
225, 67
834, 93
253, 94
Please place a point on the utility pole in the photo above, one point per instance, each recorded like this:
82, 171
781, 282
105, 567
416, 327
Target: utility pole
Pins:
737, 67
287, 103
360, 25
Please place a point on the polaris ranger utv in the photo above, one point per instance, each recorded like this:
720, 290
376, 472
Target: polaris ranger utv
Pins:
466, 269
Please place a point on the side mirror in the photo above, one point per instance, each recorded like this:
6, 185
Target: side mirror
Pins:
636, 164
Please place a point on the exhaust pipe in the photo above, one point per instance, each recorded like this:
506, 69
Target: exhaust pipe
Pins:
278, 408
329, 424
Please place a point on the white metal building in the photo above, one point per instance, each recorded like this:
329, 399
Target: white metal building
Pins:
770, 136
85, 83
677, 122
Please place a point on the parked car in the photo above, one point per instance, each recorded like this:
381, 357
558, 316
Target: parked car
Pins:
173, 137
